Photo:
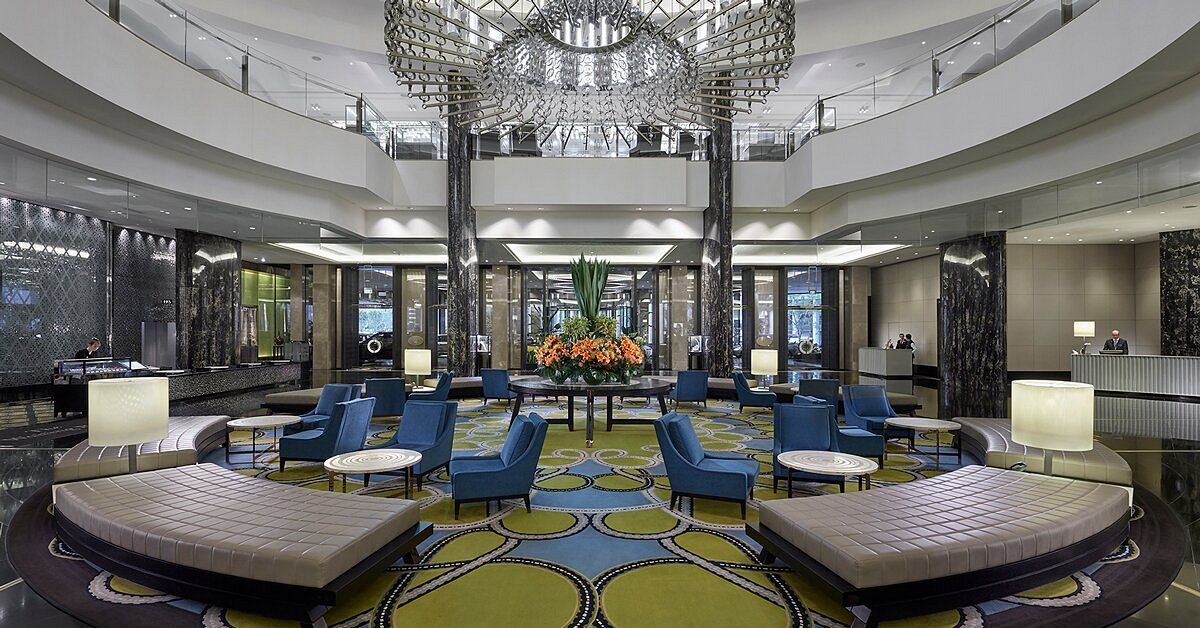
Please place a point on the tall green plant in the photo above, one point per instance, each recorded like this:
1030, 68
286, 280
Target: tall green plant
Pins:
589, 278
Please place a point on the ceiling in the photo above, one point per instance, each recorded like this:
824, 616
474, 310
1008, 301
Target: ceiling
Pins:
363, 68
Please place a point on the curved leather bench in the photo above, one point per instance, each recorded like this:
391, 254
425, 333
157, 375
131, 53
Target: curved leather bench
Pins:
214, 535
960, 538
990, 441
189, 439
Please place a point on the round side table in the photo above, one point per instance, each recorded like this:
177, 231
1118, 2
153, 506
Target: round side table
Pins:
255, 423
927, 425
828, 463
370, 461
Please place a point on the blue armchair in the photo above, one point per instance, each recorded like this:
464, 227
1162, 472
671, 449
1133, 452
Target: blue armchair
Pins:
691, 386
747, 397
694, 472
867, 408
851, 440
331, 395
389, 394
345, 432
508, 475
495, 385
427, 427
441, 392
806, 424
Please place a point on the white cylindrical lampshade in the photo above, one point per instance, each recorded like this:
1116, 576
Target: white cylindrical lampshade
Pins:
1085, 329
1053, 415
418, 362
127, 411
764, 361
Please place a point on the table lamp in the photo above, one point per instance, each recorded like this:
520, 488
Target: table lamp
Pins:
1053, 415
127, 411
418, 362
1085, 329
764, 362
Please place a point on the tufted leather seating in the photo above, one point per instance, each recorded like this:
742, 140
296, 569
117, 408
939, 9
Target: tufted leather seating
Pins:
189, 439
967, 520
990, 441
210, 518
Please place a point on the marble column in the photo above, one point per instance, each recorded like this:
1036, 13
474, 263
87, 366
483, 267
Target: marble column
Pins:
856, 287
348, 310
297, 321
1179, 292
830, 317
972, 316
324, 331
716, 270
208, 280
462, 272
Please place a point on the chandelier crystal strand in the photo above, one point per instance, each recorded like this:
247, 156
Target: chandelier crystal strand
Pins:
542, 67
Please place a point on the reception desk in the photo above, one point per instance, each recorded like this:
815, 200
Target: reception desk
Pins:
890, 368
1143, 395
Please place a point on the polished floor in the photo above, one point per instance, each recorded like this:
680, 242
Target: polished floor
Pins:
1170, 469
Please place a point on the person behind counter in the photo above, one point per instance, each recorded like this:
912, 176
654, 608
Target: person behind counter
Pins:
93, 347
1116, 343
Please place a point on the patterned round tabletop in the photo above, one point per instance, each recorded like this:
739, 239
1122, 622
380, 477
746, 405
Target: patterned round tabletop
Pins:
373, 461
827, 463
265, 421
919, 423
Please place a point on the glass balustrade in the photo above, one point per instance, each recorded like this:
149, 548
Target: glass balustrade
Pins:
998, 39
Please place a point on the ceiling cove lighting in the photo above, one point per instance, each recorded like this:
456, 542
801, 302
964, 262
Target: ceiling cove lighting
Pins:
414, 253
564, 63
780, 254
615, 253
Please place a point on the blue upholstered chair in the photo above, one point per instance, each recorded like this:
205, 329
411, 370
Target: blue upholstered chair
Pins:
441, 392
495, 385
851, 440
867, 408
805, 424
694, 472
509, 474
346, 431
389, 395
691, 386
331, 395
427, 427
747, 397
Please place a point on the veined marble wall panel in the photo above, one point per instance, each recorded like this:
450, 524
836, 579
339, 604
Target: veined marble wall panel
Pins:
208, 274
1179, 268
143, 286
53, 296
973, 350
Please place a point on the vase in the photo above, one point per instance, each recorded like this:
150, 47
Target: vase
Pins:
593, 377
626, 377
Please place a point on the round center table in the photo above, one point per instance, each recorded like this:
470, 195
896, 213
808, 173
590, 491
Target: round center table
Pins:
638, 387
828, 463
255, 423
370, 461
928, 425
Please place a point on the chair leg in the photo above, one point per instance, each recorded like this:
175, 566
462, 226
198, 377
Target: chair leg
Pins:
842, 485
775, 484
528, 508
456, 507
282, 464
743, 509
366, 480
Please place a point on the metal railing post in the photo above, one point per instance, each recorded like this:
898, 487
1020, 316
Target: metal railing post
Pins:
246, 72
358, 111
114, 10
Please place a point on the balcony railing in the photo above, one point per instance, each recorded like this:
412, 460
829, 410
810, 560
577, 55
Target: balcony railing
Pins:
944, 67
223, 58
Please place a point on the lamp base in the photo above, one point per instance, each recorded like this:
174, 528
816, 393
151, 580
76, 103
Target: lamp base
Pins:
1047, 462
132, 449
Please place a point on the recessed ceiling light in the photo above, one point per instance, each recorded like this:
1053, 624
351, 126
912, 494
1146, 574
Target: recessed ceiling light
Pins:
1000, 211
1129, 211
1039, 240
253, 228
1068, 234
188, 208
1051, 237
351, 63
639, 209
1080, 239
764, 209
1024, 237
1116, 229
1099, 182
539, 209
229, 58
670, 208
922, 43
91, 178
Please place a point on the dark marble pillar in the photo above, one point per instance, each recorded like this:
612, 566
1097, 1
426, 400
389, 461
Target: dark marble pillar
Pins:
462, 272
972, 343
831, 308
348, 332
1179, 289
208, 278
716, 271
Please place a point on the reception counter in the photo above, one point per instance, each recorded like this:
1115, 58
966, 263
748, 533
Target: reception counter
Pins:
890, 368
1143, 395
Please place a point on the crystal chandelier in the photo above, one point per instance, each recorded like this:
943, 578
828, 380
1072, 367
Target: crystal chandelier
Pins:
494, 63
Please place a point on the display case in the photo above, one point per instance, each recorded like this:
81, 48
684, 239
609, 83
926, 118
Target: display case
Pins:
71, 377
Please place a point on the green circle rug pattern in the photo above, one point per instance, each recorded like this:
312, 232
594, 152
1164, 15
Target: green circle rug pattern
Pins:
601, 546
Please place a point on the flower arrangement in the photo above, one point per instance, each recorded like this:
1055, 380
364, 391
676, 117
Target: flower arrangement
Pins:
588, 347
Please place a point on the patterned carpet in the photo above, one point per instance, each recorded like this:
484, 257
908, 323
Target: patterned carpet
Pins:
601, 548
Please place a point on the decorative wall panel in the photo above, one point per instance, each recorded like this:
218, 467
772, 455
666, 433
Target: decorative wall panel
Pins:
972, 341
1179, 276
208, 274
143, 286
53, 297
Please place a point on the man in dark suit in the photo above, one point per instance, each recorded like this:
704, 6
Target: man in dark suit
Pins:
1116, 343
